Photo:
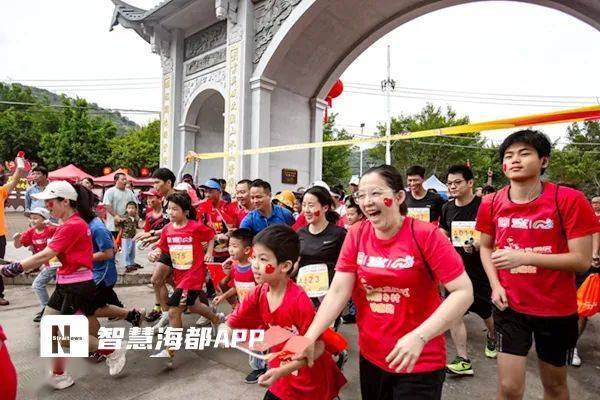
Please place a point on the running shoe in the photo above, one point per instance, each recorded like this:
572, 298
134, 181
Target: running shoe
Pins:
341, 359
162, 322
576, 361
138, 317
349, 319
165, 353
253, 376
96, 358
38, 316
460, 366
61, 381
4, 302
490, 347
116, 360
153, 316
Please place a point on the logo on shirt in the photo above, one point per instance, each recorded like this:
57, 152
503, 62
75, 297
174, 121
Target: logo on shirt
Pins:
525, 223
547, 223
383, 262
503, 222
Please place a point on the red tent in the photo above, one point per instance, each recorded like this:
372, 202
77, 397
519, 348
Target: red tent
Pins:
69, 173
108, 180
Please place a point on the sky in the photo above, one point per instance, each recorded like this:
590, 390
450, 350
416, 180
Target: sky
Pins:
495, 48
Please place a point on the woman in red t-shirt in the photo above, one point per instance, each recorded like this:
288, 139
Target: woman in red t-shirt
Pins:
391, 266
75, 290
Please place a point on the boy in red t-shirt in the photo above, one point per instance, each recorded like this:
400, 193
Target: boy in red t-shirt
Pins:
277, 301
535, 236
36, 238
182, 240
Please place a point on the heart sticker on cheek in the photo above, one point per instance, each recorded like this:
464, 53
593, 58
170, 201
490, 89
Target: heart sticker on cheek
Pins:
269, 269
317, 213
388, 202
504, 167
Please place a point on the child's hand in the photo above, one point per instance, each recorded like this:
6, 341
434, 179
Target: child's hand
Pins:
208, 258
227, 266
269, 377
17, 236
154, 255
217, 300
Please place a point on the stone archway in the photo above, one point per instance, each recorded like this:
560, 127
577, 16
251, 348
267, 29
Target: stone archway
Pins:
314, 42
203, 129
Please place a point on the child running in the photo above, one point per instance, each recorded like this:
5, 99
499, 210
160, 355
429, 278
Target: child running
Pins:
36, 238
239, 283
182, 240
277, 301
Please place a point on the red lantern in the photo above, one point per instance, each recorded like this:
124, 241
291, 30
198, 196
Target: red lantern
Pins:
125, 170
335, 91
144, 171
106, 170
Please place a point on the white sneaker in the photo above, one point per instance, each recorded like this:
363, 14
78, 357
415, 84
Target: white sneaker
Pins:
165, 353
162, 322
116, 360
576, 361
60, 381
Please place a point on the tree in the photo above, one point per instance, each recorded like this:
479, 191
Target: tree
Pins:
436, 154
136, 149
79, 139
336, 160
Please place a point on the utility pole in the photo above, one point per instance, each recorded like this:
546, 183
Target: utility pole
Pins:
387, 86
362, 131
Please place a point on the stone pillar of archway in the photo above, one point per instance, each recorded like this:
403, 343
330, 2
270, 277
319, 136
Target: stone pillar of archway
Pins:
187, 137
317, 110
261, 124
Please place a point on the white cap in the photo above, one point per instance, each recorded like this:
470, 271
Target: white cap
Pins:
39, 211
183, 186
354, 180
62, 189
322, 184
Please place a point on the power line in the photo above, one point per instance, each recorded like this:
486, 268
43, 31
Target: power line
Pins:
85, 80
124, 110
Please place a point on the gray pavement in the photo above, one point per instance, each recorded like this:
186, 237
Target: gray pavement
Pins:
218, 374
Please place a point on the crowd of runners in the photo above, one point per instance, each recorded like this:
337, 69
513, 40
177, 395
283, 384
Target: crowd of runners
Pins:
402, 263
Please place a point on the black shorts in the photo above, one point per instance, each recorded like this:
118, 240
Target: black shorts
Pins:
270, 396
73, 297
106, 295
377, 384
176, 299
555, 337
482, 299
165, 259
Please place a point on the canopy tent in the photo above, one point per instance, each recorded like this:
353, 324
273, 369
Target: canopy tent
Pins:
109, 179
69, 173
434, 183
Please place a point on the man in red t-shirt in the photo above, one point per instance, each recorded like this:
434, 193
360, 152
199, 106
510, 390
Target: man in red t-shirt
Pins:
535, 236
218, 215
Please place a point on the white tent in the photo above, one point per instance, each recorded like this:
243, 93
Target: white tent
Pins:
434, 183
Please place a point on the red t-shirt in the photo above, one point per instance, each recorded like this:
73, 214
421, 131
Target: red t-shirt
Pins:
184, 245
395, 291
8, 373
155, 222
242, 278
37, 240
324, 380
300, 222
240, 213
216, 218
73, 243
536, 226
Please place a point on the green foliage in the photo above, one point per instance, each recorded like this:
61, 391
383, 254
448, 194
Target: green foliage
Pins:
136, 149
336, 160
80, 139
436, 154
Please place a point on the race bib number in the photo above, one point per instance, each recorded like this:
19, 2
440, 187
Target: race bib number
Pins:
243, 288
420, 213
524, 269
182, 256
462, 232
314, 279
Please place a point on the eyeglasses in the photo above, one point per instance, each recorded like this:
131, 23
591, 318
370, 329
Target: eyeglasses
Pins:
374, 194
455, 183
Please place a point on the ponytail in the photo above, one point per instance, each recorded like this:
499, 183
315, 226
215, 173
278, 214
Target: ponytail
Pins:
332, 216
84, 204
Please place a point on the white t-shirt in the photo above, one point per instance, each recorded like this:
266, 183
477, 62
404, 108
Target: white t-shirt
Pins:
118, 200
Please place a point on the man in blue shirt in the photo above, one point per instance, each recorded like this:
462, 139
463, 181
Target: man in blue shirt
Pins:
40, 179
264, 213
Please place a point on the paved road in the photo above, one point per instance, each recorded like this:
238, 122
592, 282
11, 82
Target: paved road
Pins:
218, 374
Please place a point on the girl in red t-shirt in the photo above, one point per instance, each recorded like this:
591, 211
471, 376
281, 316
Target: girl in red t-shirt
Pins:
391, 266
75, 291
182, 241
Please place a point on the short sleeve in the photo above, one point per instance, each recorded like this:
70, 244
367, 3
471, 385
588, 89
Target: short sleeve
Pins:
63, 238
204, 232
485, 221
27, 237
103, 239
3, 193
347, 259
443, 220
289, 217
162, 242
445, 263
107, 197
247, 314
577, 214
305, 313
247, 222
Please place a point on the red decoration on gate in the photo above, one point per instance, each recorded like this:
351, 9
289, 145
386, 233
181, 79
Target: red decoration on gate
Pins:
145, 171
335, 91
106, 170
